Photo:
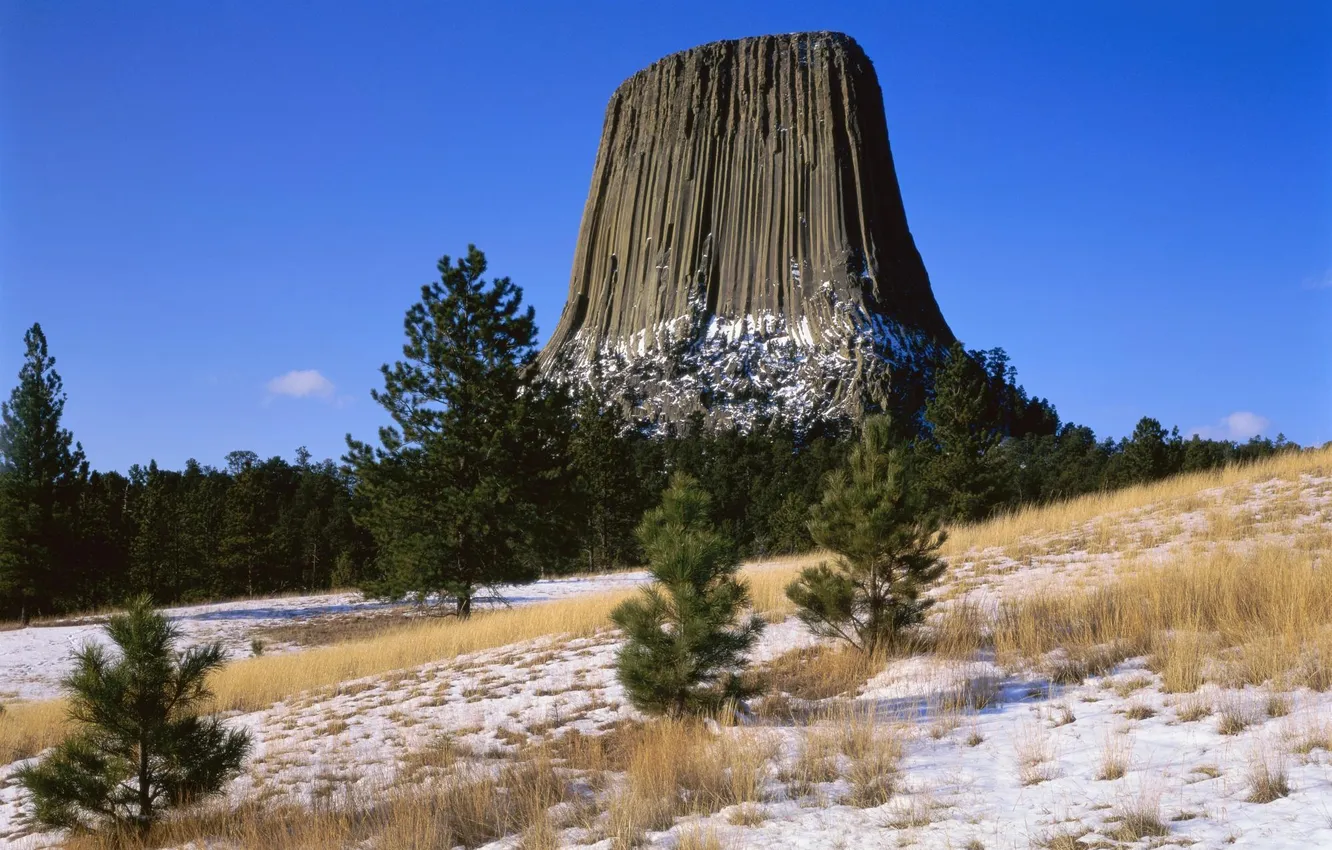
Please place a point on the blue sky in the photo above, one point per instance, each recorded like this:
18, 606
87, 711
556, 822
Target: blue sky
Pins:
198, 199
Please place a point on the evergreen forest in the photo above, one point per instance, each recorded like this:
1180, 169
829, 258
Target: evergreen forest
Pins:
491, 475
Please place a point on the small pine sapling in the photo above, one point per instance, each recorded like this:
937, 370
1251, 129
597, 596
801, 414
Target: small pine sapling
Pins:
886, 545
686, 635
140, 746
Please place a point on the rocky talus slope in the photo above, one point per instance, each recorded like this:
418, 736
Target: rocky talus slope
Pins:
744, 249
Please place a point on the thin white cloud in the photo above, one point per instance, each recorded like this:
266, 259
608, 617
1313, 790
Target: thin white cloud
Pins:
302, 383
1240, 425
1324, 282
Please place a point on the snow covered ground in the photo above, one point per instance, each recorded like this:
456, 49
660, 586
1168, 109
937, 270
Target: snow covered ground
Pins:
33, 660
1025, 768
1007, 776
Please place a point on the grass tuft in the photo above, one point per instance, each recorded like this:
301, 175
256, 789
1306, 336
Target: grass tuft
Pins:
1138, 820
1267, 781
1114, 757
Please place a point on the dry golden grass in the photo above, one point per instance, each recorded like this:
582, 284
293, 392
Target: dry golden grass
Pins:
1012, 529
1265, 616
1260, 616
1139, 819
820, 671
469, 810
1306, 738
873, 771
1277, 705
959, 631
697, 838
28, 728
1180, 659
1064, 838
1193, 709
1233, 718
768, 581
1115, 752
679, 767
446, 798
430, 761
1267, 779
815, 763
823, 671
974, 694
601, 753
253, 683
1035, 754
747, 814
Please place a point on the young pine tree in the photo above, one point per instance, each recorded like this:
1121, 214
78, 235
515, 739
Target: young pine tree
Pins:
140, 745
871, 516
686, 635
41, 468
463, 490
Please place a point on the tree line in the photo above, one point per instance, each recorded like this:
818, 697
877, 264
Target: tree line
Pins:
76, 539
490, 474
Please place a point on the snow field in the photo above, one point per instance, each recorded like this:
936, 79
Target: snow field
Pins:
960, 753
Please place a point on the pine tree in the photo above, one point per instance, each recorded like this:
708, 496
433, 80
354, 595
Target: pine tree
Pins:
461, 492
873, 518
685, 636
789, 526
1146, 454
156, 556
102, 538
962, 468
140, 745
40, 477
610, 504
245, 547
203, 497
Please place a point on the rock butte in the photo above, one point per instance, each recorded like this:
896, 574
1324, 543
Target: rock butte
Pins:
744, 250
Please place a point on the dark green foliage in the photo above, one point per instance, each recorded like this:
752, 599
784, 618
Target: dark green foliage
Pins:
790, 526
461, 493
140, 746
686, 635
985, 446
873, 517
1008, 411
959, 459
756, 479
761, 482
1147, 456
603, 451
75, 540
249, 523
41, 473
205, 534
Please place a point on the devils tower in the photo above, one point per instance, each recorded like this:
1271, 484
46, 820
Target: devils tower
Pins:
744, 250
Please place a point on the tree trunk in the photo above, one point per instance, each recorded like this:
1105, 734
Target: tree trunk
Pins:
145, 818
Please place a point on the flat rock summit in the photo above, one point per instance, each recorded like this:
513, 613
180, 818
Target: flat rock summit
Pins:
744, 251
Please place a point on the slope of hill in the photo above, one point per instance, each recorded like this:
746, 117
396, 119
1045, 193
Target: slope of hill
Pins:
1145, 668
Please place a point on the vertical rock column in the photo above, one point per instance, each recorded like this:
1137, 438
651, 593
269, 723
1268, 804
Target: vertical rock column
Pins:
745, 227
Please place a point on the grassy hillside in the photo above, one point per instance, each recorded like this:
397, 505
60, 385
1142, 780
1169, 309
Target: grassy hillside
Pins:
1191, 619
